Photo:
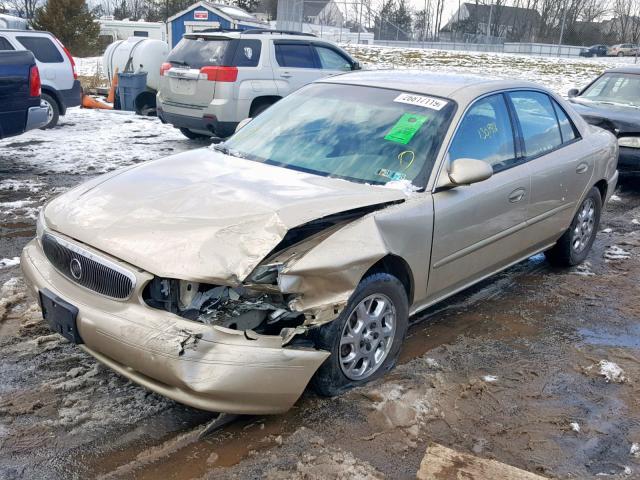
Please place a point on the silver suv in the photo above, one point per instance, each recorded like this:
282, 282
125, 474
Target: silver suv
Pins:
214, 79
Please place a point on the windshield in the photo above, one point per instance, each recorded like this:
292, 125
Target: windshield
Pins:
198, 53
621, 88
362, 134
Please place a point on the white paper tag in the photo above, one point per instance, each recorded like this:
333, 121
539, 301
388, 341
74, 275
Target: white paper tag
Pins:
421, 101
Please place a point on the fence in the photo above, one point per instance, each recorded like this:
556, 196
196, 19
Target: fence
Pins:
540, 49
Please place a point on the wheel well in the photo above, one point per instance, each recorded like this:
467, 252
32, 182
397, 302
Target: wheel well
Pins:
399, 268
145, 99
54, 94
260, 101
602, 188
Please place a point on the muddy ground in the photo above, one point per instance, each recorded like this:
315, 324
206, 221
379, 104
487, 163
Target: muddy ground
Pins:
536, 367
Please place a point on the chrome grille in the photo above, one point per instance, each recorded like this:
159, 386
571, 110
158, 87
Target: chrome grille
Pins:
87, 269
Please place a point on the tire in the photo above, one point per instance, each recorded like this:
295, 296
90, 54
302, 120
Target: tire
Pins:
620, 54
54, 111
193, 135
574, 245
331, 378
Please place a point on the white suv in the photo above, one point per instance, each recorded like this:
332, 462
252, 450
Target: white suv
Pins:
212, 80
60, 84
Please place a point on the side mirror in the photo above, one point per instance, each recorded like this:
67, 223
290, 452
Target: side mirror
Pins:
465, 171
356, 65
242, 124
573, 92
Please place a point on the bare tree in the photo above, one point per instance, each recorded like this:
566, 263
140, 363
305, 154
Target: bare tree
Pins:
25, 8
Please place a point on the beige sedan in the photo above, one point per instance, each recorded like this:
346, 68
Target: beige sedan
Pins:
227, 278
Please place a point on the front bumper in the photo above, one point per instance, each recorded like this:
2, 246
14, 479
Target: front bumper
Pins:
210, 368
629, 160
37, 117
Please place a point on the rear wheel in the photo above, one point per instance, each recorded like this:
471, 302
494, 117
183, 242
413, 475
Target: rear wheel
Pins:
573, 247
365, 339
193, 135
620, 54
54, 111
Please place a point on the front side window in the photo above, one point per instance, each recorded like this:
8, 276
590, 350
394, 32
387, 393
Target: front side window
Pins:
295, 55
485, 133
362, 134
332, 60
620, 88
540, 130
42, 48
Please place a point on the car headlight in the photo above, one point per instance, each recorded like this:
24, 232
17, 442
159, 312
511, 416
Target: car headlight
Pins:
630, 142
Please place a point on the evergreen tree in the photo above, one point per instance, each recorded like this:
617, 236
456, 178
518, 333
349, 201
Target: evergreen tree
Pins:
72, 22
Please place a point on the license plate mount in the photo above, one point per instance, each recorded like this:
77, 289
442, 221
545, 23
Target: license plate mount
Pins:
60, 315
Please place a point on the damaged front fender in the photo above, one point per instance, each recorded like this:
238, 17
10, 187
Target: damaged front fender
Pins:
323, 278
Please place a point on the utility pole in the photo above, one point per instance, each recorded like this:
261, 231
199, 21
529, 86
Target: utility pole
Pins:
489, 24
359, 21
564, 19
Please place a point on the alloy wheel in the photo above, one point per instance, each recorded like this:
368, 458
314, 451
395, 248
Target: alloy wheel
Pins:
583, 229
367, 337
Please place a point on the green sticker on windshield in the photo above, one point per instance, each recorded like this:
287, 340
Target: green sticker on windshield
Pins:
405, 128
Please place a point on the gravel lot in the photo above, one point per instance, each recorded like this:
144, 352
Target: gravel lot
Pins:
536, 367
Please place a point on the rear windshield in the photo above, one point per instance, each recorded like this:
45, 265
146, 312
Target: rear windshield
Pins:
198, 53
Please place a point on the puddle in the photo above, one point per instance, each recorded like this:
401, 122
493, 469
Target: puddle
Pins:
629, 338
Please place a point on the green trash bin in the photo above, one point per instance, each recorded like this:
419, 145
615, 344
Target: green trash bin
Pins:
130, 85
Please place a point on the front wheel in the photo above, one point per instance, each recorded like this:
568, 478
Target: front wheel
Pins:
574, 245
365, 339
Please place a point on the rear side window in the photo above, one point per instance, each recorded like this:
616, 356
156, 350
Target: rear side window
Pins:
540, 130
567, 128
199, 52
248, 53
42, 48
485, 133
5, 45
295, 55
332, 60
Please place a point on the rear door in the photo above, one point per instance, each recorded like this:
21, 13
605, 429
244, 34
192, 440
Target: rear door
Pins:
195, 68
560, 164
295, 64
479, 228
55, 68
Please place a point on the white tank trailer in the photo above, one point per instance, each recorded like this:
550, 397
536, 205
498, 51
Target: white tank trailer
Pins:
138, 54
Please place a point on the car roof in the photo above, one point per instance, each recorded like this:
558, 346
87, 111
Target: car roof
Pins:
462, 88
27, 32
252, 33
633, 70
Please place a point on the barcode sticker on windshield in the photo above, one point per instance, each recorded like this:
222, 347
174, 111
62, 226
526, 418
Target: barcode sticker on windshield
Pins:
421, 101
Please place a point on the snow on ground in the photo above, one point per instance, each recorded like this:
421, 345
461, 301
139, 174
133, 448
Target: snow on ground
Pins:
89, 66
559, 74
92, 142
611, 371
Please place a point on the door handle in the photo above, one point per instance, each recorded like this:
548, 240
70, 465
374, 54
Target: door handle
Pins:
285, 75
582, 168
517, 195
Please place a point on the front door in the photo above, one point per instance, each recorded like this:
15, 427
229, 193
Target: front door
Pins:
479, 229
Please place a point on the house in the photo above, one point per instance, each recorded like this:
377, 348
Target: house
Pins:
322, 12
473, 20
204, 15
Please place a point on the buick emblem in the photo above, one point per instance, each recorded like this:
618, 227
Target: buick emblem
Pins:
76, 269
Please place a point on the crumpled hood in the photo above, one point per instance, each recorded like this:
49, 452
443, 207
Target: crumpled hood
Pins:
201, 215
609, 117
